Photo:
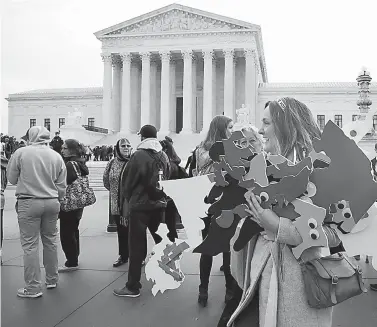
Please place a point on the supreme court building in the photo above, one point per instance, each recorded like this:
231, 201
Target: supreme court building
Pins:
176, 68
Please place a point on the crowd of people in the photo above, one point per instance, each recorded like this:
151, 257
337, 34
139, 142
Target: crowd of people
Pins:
137, 203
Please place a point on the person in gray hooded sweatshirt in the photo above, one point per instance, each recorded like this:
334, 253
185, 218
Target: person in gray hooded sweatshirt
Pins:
40, 175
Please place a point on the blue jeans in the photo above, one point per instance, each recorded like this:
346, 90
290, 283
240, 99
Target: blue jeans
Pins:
38, 217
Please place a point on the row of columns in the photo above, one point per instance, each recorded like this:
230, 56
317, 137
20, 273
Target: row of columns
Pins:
117, 90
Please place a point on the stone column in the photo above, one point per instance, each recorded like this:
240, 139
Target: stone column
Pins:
194, 111
173, 98
145, 88
214, 88
107, 90
165, 93
125, 115
153, 94
251, 82
207, 90
187, 91
229, 83
115, 112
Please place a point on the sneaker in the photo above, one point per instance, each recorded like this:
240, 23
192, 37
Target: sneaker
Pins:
51, 286
67, 269
373, 287
23, 292
125, 292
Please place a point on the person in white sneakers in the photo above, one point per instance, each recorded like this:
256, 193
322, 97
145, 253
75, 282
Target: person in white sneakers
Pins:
40, 175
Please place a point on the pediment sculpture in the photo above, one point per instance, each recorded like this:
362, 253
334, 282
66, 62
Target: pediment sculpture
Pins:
177, 20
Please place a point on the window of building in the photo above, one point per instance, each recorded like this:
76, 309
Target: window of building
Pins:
355, 117
375, 122
33, 122
321, 121
339, 120
47, 123
91, 122
61, 122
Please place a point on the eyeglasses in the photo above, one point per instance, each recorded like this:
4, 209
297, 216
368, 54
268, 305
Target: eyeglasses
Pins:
125, 146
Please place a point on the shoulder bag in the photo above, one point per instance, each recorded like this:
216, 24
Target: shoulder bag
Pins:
79, 194
331, 280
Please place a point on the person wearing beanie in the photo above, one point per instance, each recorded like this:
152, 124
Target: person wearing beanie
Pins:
143, 202
40, 175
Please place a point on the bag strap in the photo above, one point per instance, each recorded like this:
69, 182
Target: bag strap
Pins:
74, 163
358, 271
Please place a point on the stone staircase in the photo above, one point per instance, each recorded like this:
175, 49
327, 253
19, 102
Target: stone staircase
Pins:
96, 169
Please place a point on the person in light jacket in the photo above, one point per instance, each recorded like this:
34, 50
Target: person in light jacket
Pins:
266, 270
40, 175
112, 177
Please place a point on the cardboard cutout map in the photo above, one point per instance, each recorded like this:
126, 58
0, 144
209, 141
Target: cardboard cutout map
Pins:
333, 186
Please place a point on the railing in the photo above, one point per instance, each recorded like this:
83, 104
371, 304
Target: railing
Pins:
96, 129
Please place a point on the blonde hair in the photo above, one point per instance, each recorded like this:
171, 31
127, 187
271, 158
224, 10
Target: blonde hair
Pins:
254, 131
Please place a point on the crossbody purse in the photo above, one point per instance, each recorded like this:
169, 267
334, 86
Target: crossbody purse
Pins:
331, 280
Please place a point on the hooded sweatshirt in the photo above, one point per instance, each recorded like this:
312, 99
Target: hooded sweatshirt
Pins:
38, 171
136, 185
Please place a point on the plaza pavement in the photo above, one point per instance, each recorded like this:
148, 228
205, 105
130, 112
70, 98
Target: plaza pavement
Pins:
84, 298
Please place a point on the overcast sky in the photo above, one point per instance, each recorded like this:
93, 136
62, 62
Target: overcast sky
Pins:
50, 43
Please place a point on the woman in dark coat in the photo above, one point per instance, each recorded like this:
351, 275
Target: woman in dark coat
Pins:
111, 180
73, 154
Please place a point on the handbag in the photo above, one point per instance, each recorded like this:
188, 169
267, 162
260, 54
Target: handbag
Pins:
331, 280
78, 194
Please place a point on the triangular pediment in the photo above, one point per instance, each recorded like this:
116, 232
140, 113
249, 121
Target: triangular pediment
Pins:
176, 18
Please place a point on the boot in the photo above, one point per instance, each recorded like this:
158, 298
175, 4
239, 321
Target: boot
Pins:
203, 297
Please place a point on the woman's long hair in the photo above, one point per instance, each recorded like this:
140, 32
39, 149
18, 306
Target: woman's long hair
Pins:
75, 148
217, 131
295, 126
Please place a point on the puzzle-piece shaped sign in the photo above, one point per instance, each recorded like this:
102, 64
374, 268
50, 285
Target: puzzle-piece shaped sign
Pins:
309, 225
343, 216
319, 160
348, 176
216, 151
257, 170
285, 191
283, 169
237, 172
172, 253
227, 216
218, 238
234, 153
363, 242
356, 130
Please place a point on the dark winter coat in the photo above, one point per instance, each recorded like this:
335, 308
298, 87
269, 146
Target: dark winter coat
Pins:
137, 190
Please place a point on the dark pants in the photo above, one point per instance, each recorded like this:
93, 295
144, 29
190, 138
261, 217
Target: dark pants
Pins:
70, 236
205, 264
137, 242
122, 232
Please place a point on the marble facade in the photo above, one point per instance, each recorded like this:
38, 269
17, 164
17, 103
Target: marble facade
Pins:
177, 68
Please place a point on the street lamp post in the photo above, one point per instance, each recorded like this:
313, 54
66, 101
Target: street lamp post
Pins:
111, 227
364, 102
